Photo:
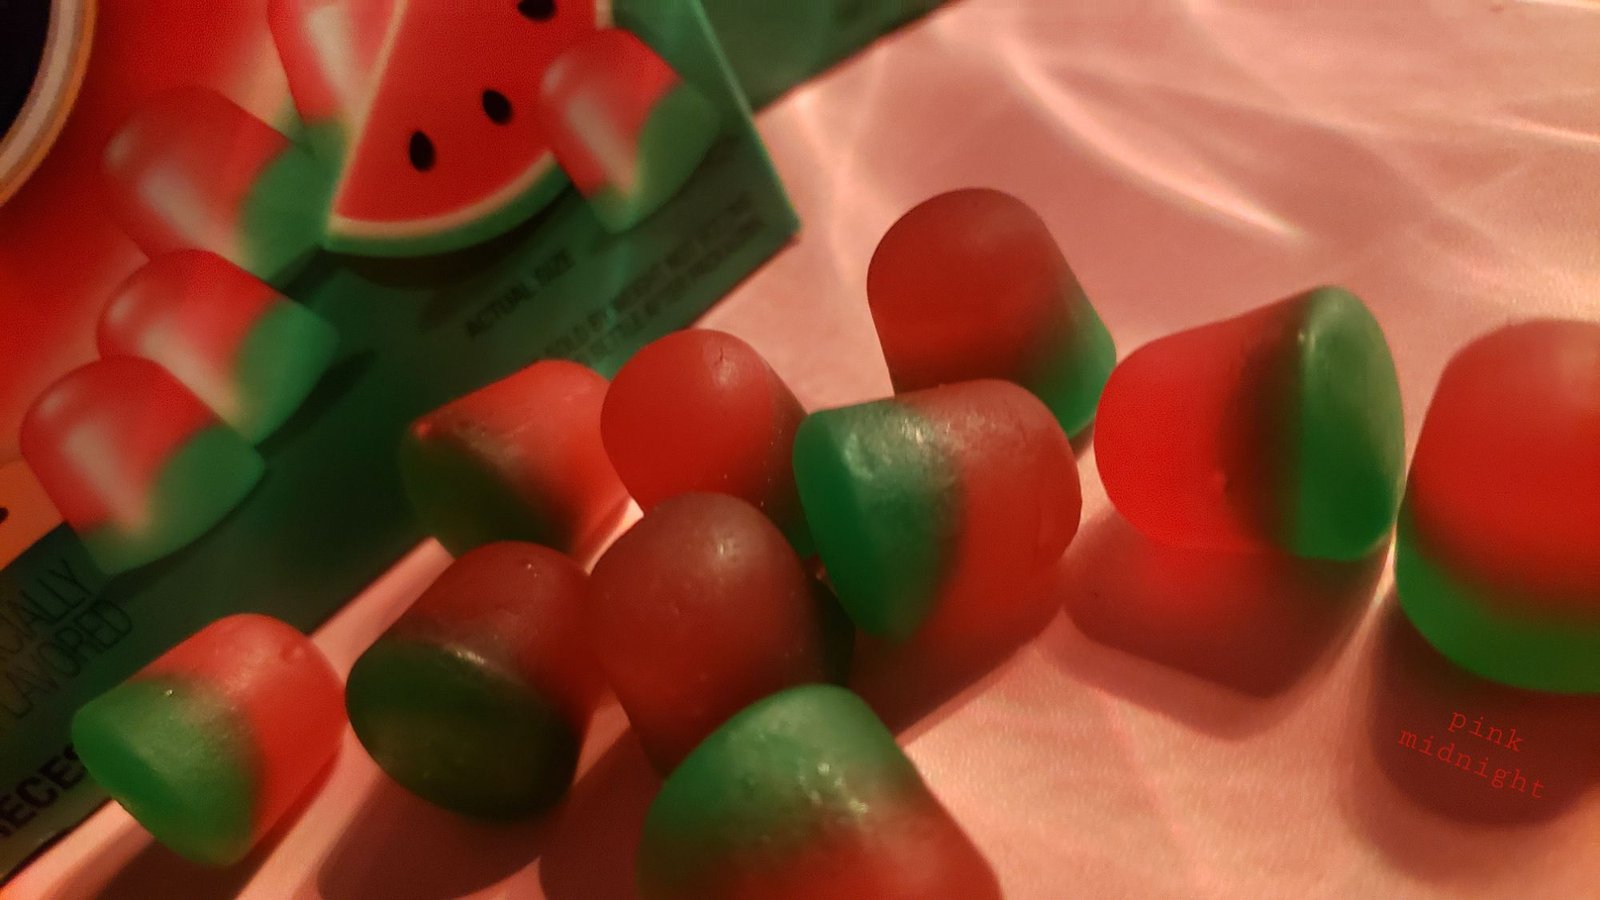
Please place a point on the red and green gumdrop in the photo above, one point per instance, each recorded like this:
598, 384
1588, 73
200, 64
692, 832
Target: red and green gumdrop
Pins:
329, 50
700, 410
947, 502
518, 460
624, 126
805, 796
1281, 428
449, 151
210, 745
477, 699
970, 284
249, 352
701, 609
136, 464
1498, 559
190, 169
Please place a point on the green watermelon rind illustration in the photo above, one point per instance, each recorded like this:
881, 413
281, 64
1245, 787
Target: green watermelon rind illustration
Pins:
536, 187
389, 239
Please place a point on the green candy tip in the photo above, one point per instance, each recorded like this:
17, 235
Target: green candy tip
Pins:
459, 731
1349, 427
178, 760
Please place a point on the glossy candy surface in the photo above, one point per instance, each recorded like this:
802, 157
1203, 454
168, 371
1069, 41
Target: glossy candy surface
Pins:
444, 148
805, 796
136, 464
249, 352
948, 501
701, 609
700, 410
627, 130
970, 284
211, 744
329, 50
520, 459
190, 169
1279, 429
1498, 560
478, 698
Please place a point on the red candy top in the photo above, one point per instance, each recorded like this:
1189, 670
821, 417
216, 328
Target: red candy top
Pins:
1505, 484
539, 431
1019, 495
700, 410
518, 604
699, 610
964, 286
207, 144
609, 80
1218, 390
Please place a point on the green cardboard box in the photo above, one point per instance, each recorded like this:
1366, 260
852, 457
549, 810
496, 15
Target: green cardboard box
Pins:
773, 45
329, 515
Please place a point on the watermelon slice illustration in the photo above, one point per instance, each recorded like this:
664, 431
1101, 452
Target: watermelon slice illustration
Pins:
625, 128
444, 149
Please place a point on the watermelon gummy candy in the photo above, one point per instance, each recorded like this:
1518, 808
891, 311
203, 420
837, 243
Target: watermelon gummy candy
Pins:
700, 410
190, 169
249, 352
624, 126
448, 151
210, 745
1498, 560
950, 501
970, 284
1278, 429
518, 460
805, 796
328, 49
478, 697
135, 463
699, 610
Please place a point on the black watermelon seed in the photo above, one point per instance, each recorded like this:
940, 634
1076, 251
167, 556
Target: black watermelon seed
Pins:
4, 513
496, 107
421, 152
538, 10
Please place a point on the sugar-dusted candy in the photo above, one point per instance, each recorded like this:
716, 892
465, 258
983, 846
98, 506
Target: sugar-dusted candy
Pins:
701, 609
700, 410
1280, 429
518, 460
626, 128
805, 796
250, 353
970, 284
949, 501
1498, 558
478, 698
191, 169
210, 745
135, 463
